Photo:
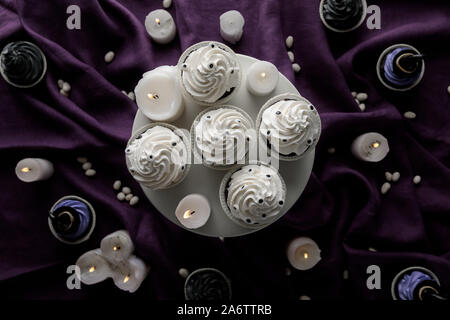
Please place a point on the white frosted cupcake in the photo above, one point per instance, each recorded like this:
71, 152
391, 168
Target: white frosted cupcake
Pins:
158, 156
289, 125
209, 72
253, 195
220, 136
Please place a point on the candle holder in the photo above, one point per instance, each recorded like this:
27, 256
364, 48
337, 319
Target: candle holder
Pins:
207, 284
72, 220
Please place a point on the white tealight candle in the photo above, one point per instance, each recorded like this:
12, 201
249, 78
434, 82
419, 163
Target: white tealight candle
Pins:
129, 274
232, 26
303, 253
93, 267
262, 78
193, 211
117, 246
34, 169
160, 26
158, 95
370, 147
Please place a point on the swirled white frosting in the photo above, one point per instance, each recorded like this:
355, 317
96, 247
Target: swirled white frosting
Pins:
210, 72
221, 136
291, 126
255, 194
157, 158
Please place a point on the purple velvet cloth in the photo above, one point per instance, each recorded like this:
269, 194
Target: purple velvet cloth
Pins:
341, 208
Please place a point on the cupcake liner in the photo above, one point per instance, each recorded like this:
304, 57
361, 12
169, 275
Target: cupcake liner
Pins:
44, 59
91, 229
203, 270
223, 198
179, 133
184, 57
400, 275
262, 143
380, 67
363, 17
196, 152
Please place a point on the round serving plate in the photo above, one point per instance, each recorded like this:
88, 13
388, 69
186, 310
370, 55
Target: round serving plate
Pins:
207, 181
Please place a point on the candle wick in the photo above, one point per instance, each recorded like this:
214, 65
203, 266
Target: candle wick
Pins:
153, 96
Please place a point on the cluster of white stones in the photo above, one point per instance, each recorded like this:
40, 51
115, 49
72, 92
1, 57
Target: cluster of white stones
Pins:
87, 166
124, 193
360, 98
289, 43
64, 87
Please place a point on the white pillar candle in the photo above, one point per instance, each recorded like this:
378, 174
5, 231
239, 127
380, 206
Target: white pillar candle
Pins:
262, 78
34, 169
370, 147
117, 246
193, 211
303, 253
160, 26
93, 267
232, 26
158, 95
129, 274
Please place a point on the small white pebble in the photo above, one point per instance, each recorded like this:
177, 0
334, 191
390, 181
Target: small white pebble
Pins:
60, 83
417, 179
357, 101
345, 274
121, 196
183, 272
388, 176
385, 187
90, 172
134, 200
64, 93
305, 297
354, 94
109, 56
409, 115
222, 239
167, 3
291, 56
362, 106
372, 249
87, 166
66, 87
124, 92
287, 272
395, 176
126, 190
117, 184
331, 150
362, 96
448, 89
129, 196
131, 96
82, 159
296, 67
289, 42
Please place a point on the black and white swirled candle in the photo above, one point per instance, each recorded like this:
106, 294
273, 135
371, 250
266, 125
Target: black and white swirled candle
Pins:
342, 15
207, 284
22, 64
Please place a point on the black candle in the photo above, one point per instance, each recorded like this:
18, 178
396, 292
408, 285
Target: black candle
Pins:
207, 284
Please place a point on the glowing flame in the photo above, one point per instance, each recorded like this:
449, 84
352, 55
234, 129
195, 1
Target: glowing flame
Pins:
188, 213
157, 21
263, 75
305, 255
153, 96
125, 280
375, 145
25, 169
92, 269
115, 248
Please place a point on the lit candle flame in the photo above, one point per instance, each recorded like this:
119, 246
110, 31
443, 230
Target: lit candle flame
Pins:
263, 75
125, 280
375, 145
188, 213
152, 96
92, 269
305, 255
115, 248
158, 21
25, 169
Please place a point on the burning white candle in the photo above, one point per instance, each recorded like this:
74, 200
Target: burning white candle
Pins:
160, 26
34, 169
262, 78
117, 246
193, 211
158, 95
232, 26
129, 274
93, 267
303, 253
370, 147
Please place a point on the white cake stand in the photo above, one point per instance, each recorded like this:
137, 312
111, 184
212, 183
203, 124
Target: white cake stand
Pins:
205, 181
